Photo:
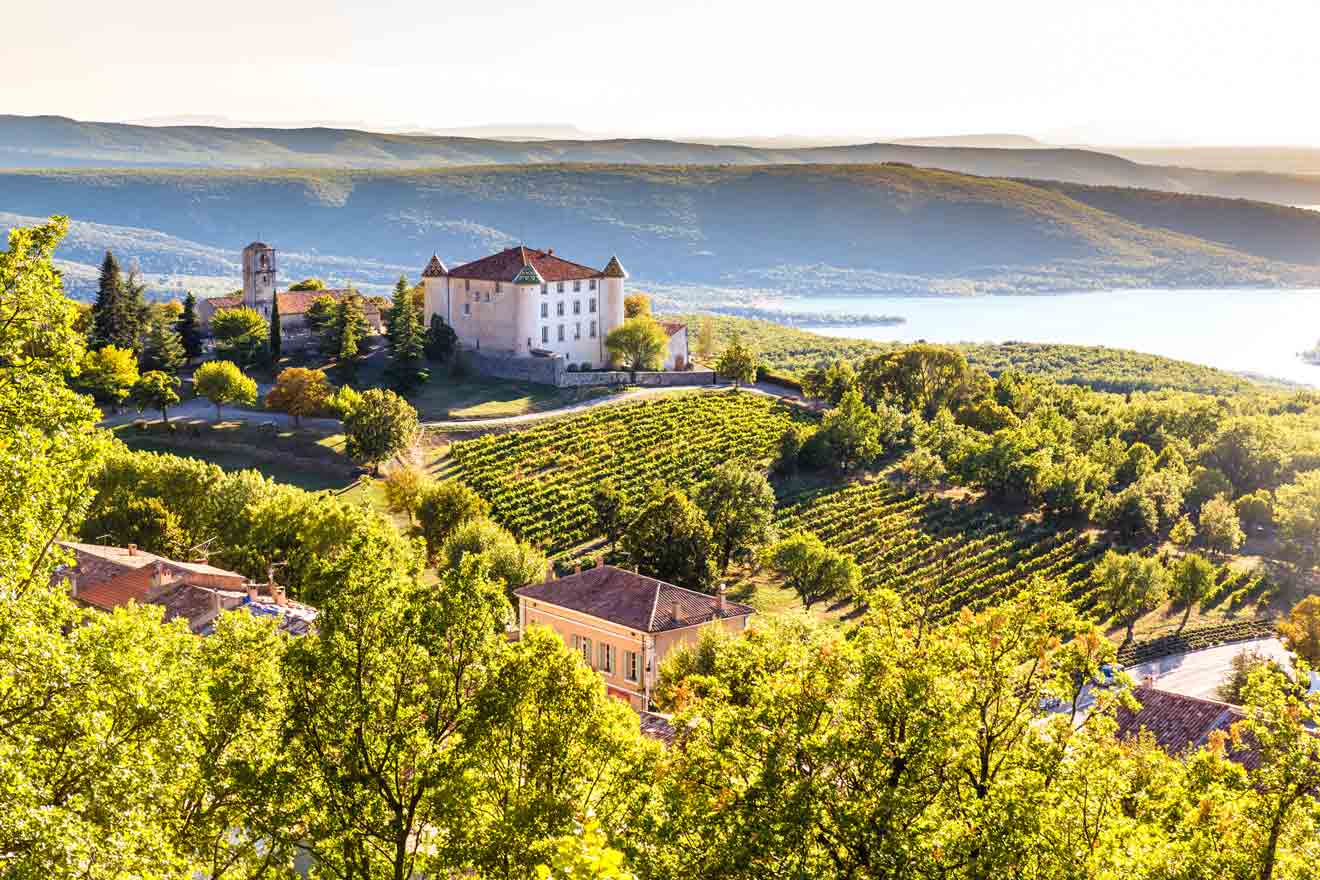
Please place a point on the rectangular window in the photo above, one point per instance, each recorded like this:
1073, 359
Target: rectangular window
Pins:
560, 287
577, 285
545, 334
545, 288
467, 308
577, 306
559, 309
561, 332
593, 329
488, 296
577, 330
467, 284
593, 284
632, 670
606, 658
586, 651
545, 310
591, 305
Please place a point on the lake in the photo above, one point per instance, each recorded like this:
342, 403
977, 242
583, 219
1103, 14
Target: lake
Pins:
1246, 331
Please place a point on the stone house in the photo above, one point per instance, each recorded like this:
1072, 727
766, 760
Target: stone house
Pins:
624, 624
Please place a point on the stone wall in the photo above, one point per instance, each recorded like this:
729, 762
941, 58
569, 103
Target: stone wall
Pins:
553, 371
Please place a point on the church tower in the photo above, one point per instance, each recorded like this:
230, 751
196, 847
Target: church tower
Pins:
259, 277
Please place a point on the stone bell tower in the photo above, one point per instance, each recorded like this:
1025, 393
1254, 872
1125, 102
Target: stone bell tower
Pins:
259, 277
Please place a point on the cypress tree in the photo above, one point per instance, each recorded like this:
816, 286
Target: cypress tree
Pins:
130, 314
276, 331
108, 291
189, 331
407, 344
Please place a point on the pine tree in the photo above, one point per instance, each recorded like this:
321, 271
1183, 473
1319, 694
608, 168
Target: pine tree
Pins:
350, 328
107, 302
162, 349
131, 314
190, 334
441, 340
276, 331
407, 345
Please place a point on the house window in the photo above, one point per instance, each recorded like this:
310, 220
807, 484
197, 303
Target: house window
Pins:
577, 285
545, 334
582, 646
577, 330
559, 309
591, 305
498, 287
632, 669
561, 332
467, 284
606, 655
488, 296
577, 306
560, 287
545, 310
467, 308
592, 285
593, 329
545, 288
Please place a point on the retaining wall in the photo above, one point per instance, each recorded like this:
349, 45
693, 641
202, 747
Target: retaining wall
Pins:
553, 371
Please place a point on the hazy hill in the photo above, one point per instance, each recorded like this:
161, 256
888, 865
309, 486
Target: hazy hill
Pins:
57, 142
800, 228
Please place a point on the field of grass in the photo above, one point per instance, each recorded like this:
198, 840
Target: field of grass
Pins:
538, 479
792, 352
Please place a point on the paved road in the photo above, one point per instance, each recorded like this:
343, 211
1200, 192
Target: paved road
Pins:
1198, 673
201, 408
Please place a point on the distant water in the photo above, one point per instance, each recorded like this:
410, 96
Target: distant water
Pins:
1245, 331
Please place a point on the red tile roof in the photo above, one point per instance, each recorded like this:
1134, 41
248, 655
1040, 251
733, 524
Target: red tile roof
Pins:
435, 268
1181, 723
632, 600
508, 263
672, 327
296, 302
656, 727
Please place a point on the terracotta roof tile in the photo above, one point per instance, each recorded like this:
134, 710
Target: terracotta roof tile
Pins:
657, 727
1180, 723
505, 265
632, 600
672, 327
435, 268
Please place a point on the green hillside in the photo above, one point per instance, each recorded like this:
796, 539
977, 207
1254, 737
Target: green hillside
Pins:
806, 229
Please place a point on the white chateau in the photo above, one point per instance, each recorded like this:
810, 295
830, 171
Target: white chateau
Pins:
527, 302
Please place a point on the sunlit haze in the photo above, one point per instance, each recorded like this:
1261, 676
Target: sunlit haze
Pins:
1124, 71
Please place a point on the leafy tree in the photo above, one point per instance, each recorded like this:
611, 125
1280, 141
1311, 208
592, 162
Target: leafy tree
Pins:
1249, 451
610, 509
299, 392
382, 425
241, 335
638, 343
737, 362
158, 391
1183, 533
920, 378
922, 468
146, 522
406, 340
322, 322
1132, 512
791, 443
831, 383
162, 349
50, 445
706, 338
1131, 586
1219, 527
740, 507
276, 335
1301, 630
1233, 685
308, 284
1140, 463
443, 507
636, 305
1192, 579
584, 855
344, 401
1206, 484
223, 383
109, 373
812, 570
670, 540
852, 433
404, 487
1256, 511
1297, 512
189, 330
441, 340
504, 559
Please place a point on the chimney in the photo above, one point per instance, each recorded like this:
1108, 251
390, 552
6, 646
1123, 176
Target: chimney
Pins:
1149, 681
600, 561
251, 591
674, 609
719, 598
132, 549
577, 569
277, 593
549, 572
157, 575
550, 252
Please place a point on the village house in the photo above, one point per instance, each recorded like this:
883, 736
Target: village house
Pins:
624, 624
1180, 723
527, 302
677, 356
259, 294
108, 577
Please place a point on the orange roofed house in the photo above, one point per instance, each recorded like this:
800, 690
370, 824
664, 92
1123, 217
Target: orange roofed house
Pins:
108, 577
624, 624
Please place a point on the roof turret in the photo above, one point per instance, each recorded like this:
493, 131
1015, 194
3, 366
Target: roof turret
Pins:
614, 269
435, 268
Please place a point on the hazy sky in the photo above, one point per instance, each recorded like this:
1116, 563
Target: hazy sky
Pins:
1107, 71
